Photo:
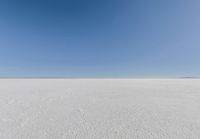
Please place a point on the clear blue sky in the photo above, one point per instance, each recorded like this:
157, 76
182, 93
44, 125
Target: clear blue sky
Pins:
99, 38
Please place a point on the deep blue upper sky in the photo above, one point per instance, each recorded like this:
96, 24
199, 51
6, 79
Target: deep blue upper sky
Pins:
99, 38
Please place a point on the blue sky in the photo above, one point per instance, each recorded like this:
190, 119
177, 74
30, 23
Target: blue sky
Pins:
99, 38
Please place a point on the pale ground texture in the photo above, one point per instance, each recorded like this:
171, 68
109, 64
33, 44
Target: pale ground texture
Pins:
99, 109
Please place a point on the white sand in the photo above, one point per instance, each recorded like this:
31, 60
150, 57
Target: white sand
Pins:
99, 109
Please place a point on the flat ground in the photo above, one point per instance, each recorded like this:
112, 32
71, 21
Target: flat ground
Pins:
99, 109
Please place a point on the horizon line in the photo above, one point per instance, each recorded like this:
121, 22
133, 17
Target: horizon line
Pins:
187, 77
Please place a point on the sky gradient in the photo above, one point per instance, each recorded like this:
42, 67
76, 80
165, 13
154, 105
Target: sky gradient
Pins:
99, 38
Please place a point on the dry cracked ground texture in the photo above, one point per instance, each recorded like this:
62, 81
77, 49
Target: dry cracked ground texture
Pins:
99, 109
